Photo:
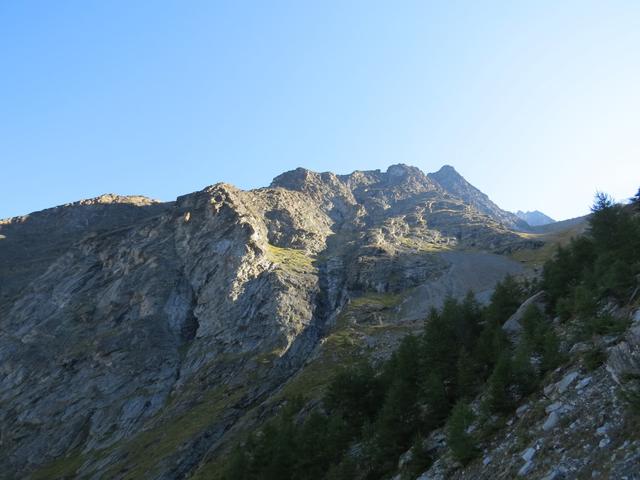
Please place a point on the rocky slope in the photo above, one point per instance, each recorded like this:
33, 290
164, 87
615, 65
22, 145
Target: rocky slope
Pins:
578, 426
455, 184
138, 339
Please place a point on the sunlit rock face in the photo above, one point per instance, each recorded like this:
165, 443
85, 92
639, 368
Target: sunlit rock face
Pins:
128, 324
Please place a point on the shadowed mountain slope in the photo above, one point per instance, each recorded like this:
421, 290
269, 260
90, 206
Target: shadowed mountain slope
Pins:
138, 339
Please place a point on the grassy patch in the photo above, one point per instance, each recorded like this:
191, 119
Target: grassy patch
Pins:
379, 300
60, 469
337, 351
421, 246
290, 259
147, 449
537, 256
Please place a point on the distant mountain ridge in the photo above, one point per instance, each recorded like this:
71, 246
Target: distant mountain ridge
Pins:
535, 218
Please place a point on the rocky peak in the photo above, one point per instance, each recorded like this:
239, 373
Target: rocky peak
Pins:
295, 179
400, 170
455, 184
535, 218
448, 171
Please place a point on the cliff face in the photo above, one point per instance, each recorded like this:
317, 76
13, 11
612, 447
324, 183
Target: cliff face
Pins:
137, 337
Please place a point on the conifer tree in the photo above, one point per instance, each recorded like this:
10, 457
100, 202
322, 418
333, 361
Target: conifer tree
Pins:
551, 356
467, 375
460, 441
498, 397
434, 395
523, 374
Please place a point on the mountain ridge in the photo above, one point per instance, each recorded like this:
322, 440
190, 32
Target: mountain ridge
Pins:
143, 317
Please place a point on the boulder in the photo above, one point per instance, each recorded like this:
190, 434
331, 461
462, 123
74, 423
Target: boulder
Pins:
624, 358
513, 326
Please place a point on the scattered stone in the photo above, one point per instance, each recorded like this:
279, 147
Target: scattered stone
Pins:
553, 407
603, 429
551, 421
555, 474
526, 469
405, 458
568, 379
604, 442
486, 460
583, 383
528, 454
581, 347
522, 410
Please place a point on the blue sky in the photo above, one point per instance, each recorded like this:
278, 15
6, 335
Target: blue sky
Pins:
536, 103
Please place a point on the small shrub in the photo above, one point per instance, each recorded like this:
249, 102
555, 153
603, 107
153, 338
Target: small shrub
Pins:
594, 358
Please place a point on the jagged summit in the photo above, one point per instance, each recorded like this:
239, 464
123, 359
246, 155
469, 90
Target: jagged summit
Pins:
301, 178
398, 181
455, 184
403, 170
448, 170
535, 218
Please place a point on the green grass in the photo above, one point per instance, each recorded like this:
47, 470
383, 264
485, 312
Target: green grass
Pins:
145, 451
291, 259
381, 300
421, 246
342, 347
338, 350
60, 469
538, 256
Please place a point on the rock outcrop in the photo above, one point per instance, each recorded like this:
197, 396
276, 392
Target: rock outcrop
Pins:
136, 337
455, 184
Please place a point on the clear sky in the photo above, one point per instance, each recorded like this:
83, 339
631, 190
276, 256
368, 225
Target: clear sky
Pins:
536, 103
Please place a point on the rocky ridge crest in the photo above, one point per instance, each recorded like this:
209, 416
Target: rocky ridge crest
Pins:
137, 337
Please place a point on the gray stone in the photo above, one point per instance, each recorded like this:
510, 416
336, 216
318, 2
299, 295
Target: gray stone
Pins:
528, 454
555, 474
551, 422
580, 347
553, 407
405, 458
566, 381
513, 325
583, 383
525, 469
